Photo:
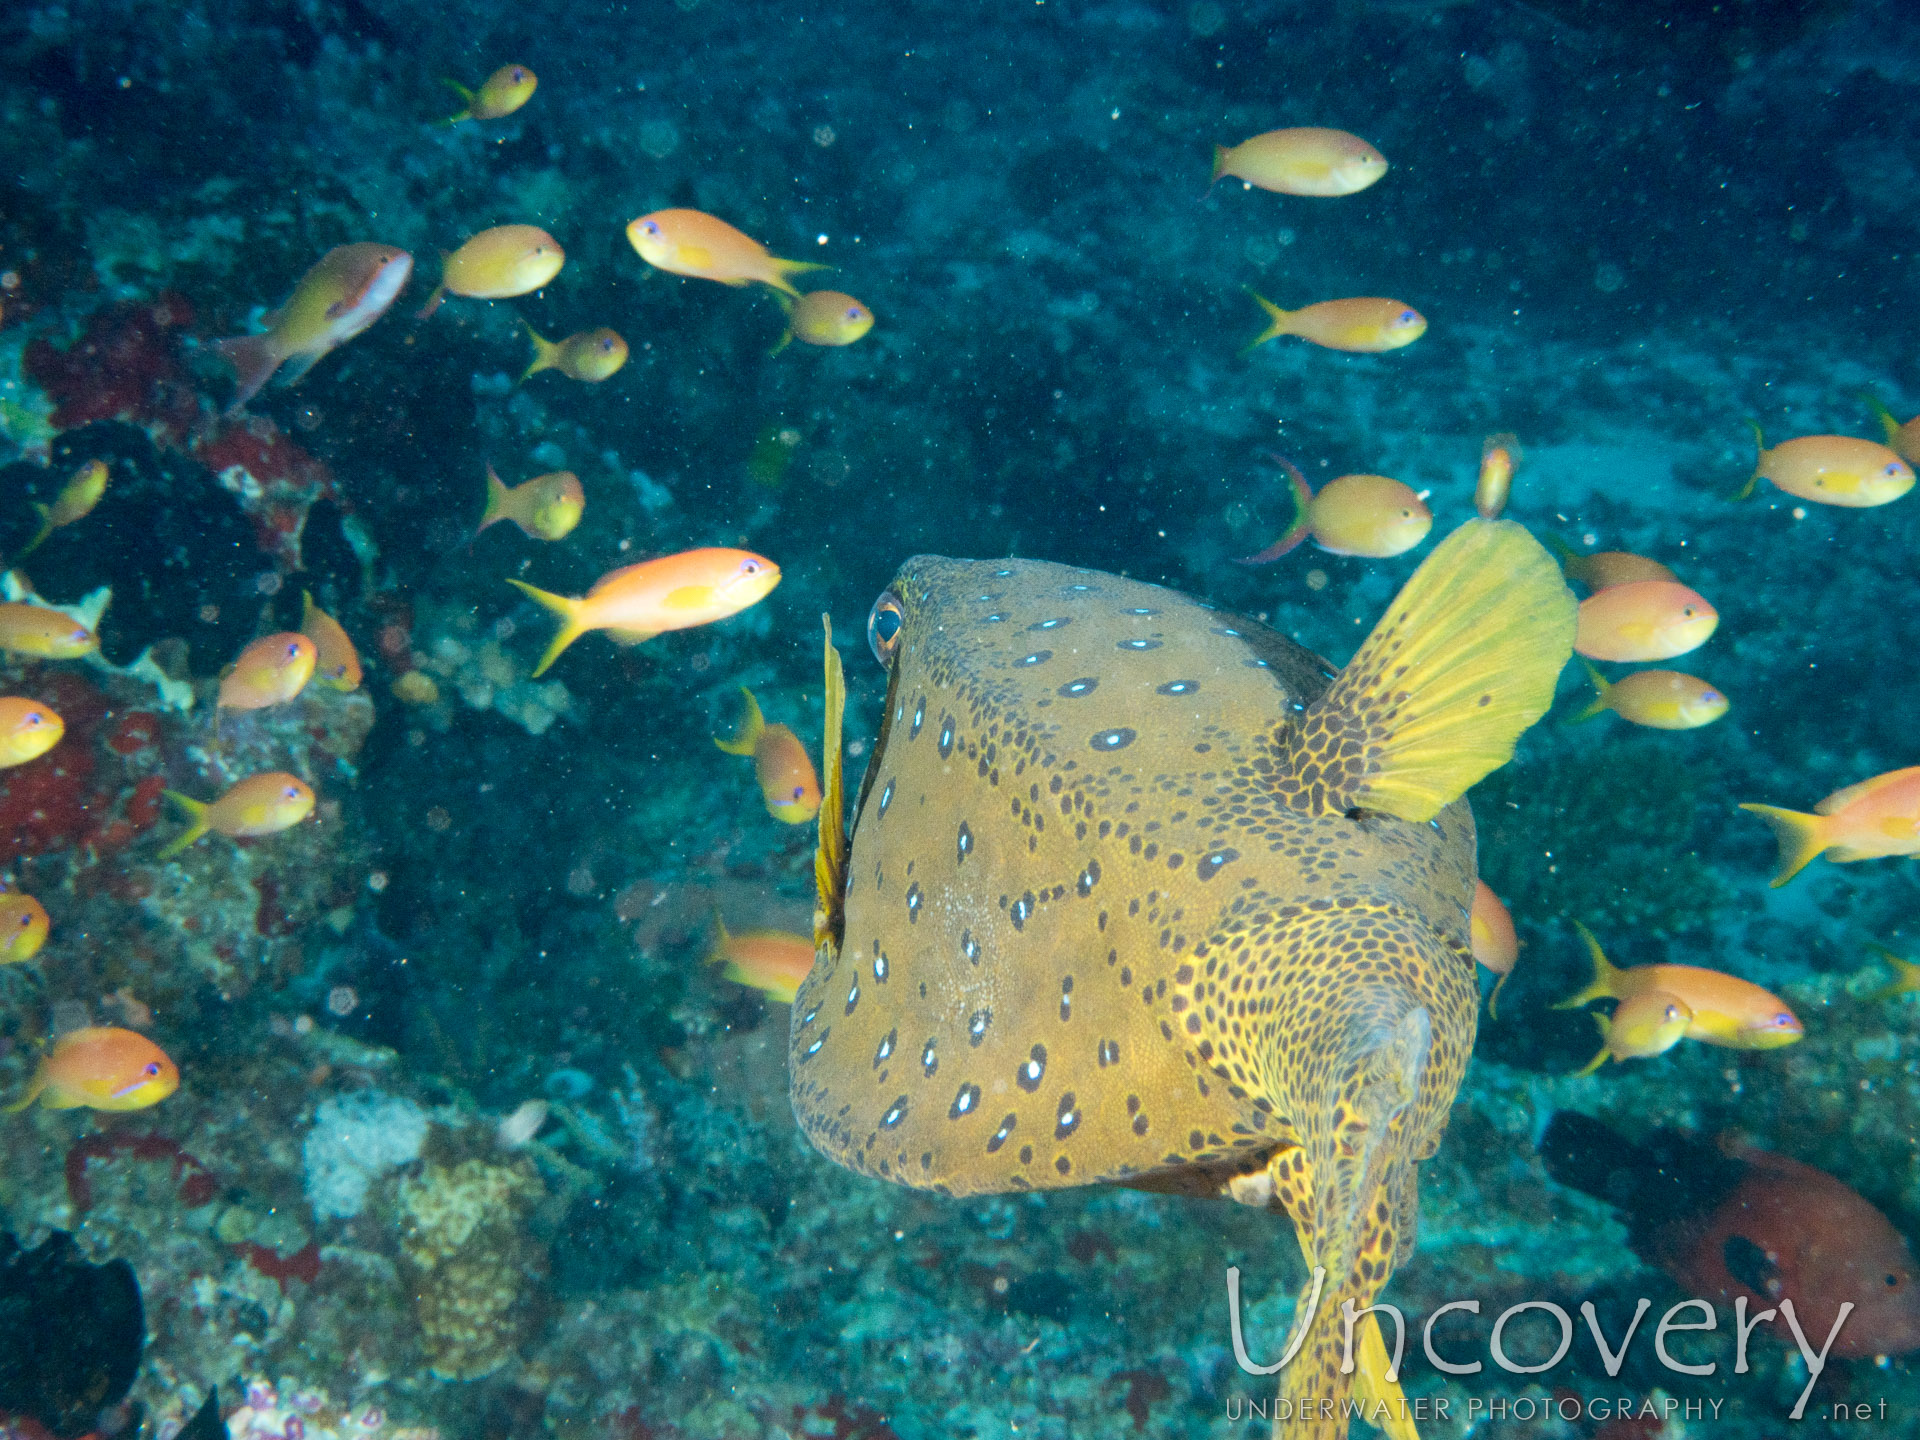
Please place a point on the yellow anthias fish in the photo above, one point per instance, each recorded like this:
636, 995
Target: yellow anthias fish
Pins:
501, 93
1365, 325
1491, 937
1658, 699
546, 507
23, 927
336, 663
824, 317
263, 804
1903, 440
498, 264
693, 243
1869, 821
590, 356
1370, 515
787, 780
43, 632
1498, 455
1726, 1010
349, 288
1831, 470
773, 962
1305, 160
101, 1067
74, 502
1643, 620
1650, 1023
270, 671
675, 592
28, 730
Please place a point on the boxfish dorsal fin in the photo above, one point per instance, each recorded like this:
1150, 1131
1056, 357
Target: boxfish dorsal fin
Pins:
1464, 660
830, 856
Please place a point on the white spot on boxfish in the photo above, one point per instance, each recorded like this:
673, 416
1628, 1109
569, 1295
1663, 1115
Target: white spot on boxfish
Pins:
1140, 610
1003, 574
1211, 862
1258, 665
1000, 1135
1022, 909
896, 1112
965, 843
1089, 878
1138, 645
1053, 624
977, 1026
814, 1049
919, 717
853, 994
1177, 687
880, 967
808, 1018
1038, 657
1109, 1053
1226, 630
964, 1102
885, 1050
913, 903
1112, 739
1066, 998
969, 946
886, 796
993, 619
946, 737
1029, 1074
1069, 1120
929, 1061
1074, 689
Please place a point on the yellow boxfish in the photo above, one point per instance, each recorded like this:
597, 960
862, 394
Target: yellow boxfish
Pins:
787, 780
1099, 816
348, 289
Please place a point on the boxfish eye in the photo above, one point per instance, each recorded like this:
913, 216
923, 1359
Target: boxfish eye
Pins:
883, 627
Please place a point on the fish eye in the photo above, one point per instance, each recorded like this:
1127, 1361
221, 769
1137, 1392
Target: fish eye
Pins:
1688, 612
749, 567
650, 227
853, 312
1891, 470
291, 792
25, 920
883, 627
34, 717
1893, 1282
606, 344
152, 1068
798, 791
1407, 317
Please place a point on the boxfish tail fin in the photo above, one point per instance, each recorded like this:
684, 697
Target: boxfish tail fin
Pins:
782, 269
1606, 975
546, 354
748, 730
1599, 703
572, 625
1464, 660
254, 359
496, 502
1281, 323
1376, 1384
1745, 492
1802, 838
1301, 526
830, 855
1882, 414
197, 824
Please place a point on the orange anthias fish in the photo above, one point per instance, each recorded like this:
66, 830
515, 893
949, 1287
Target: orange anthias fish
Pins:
1365, 325
1726, 1011
1497, 458
23, 927
824, 317
43, 632
1643, 620
1752, 1226
1305, 160
1831, 470
263, 804
590, 356
498, 264
693, 243
1903, 440
1491, 935
546, 507
501, 93
336, 663
270, 671
787, 780
349, 288
102, 1068
1606, 568
1649, 1024
1658, 699
1368, 515
74, 502
675, 592
1868, 821
771, 961
28, 730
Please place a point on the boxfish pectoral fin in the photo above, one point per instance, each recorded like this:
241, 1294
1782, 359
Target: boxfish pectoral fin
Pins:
830, 854
1464, 660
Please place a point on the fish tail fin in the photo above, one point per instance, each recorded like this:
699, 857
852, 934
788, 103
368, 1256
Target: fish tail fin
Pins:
1759, 452
1464, 660
1882, 414
1597, 1061
572, 625
784, 341
784, 268
34, 1087
1376, 1386
1493, 1000
1599, 703
546, 354
718, 953
746, 733
496, 501
1220, 163
1300, 528
197, 824
1275, 330
830, 854
1606, 975
465, 94
254, 359
433, 302
40, 535
1802, 837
